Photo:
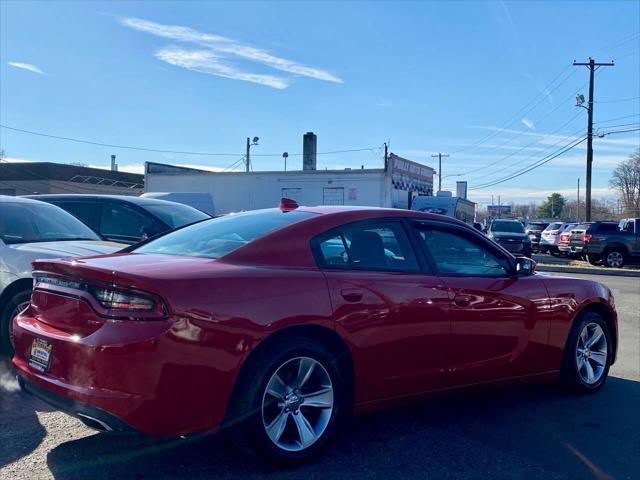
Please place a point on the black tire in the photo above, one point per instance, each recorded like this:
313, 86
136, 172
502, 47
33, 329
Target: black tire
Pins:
244, 419
594, 260
6, 315
614, 257
569, 374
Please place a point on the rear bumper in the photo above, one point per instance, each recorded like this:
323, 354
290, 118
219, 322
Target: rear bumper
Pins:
137, 376
91, 416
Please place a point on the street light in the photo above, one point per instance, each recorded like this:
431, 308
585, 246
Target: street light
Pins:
285, 155
250, 143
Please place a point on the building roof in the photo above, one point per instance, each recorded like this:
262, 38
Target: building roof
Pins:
62, 172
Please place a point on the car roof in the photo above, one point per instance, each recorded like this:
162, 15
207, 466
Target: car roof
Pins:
11, 199
142, 201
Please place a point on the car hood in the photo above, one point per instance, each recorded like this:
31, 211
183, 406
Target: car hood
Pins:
520, 236
75, 248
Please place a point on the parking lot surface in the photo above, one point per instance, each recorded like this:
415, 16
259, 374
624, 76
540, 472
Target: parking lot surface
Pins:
534, 431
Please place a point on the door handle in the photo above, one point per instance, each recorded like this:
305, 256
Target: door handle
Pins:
462, 300
351, 294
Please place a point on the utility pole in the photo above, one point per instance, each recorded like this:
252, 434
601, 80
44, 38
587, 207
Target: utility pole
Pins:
591, 65
578, 202
247, 158
440, 155
386, 156
499, 208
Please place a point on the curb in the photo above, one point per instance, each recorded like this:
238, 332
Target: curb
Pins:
588, 271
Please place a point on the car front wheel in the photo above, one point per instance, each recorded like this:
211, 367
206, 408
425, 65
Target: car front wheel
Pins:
287, 402
588, 353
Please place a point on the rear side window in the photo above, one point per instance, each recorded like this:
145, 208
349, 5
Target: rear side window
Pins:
175, 214
605, 227
370, 246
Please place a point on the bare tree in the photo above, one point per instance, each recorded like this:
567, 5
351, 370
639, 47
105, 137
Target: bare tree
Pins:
626, 180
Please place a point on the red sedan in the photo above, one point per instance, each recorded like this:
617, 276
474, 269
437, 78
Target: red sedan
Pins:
275, 324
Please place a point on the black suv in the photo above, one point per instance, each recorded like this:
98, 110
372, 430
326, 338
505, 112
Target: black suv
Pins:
511, 236
124, 219
534, 230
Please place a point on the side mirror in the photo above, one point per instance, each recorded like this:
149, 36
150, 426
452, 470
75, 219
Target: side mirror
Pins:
525, 266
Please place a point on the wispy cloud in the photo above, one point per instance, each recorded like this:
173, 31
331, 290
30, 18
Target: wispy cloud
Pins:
206, 61
27, 66
527, 123
215, 53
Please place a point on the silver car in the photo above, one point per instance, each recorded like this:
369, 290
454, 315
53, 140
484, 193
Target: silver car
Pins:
29, 230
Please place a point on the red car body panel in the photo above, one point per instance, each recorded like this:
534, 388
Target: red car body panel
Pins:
407, 333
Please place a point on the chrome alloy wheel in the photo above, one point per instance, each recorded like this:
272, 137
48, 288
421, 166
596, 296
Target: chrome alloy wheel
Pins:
16, 311
297, 404
591, 353
615, 259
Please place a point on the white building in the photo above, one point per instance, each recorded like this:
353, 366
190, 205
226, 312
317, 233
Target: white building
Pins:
392, 186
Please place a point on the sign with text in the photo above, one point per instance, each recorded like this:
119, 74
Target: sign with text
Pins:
411, 176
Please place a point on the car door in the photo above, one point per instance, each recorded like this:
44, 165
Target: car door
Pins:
499, 321
393, 313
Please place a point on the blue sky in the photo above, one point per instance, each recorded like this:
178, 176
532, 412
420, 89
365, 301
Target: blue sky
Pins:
425, 76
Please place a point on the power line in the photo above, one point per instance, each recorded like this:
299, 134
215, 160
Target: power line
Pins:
521, 111
533, 166
535, 142
618, 100
617, 118
179, 152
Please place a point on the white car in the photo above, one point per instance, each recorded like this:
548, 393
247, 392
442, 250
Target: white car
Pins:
30, 230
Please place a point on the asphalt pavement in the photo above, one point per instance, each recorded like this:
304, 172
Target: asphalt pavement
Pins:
533, 431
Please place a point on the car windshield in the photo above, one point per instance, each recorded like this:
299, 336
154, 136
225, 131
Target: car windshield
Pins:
553, 226
536, 226
217, 237
175, 215
506, 226
22, 222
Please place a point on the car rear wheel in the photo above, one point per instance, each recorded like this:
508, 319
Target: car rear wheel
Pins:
16, 304
287, 403
613, 258
588, 354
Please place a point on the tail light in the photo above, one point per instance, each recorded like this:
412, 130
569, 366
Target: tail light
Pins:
586, 238
564, 238
108, 300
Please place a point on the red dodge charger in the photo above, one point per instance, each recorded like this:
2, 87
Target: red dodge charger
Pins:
275, 324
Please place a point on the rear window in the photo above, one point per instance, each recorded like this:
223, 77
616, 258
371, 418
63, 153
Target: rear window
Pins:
217, 237
553, 226
175, 215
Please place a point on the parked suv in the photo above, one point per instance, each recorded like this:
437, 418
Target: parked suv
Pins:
534, 231
612, 244
120, 218
571, 240
511, 236
550, 237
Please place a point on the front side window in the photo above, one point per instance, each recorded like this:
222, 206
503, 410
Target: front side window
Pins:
22, 222
219, 236
121, 221
456, 254
379, 246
